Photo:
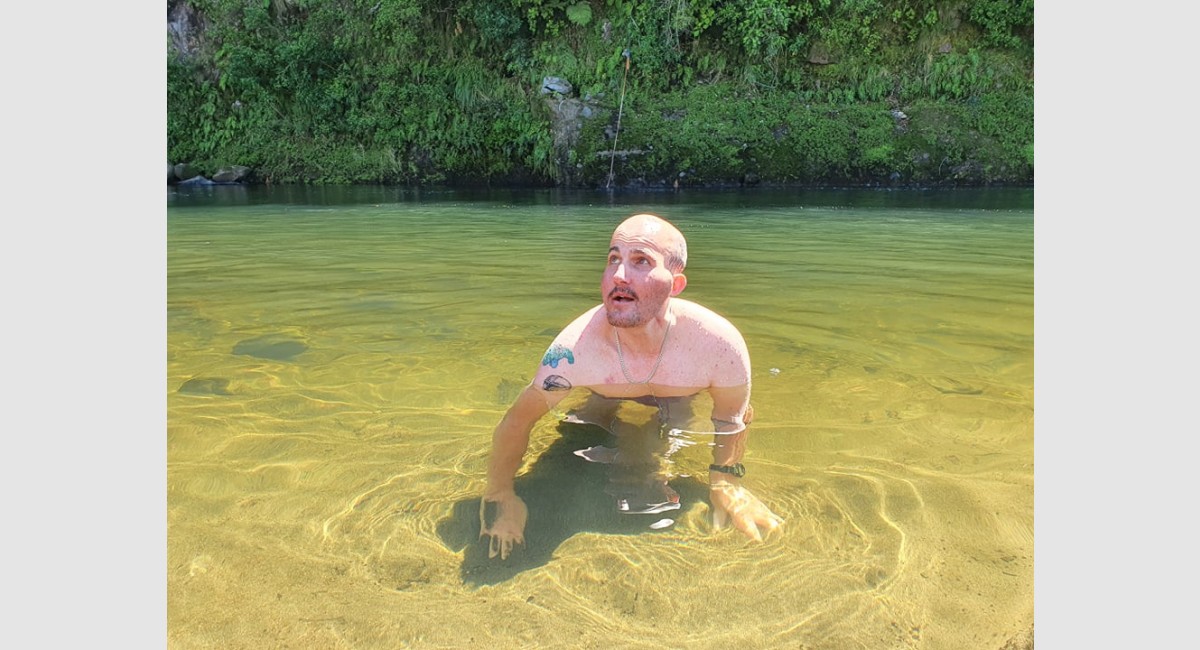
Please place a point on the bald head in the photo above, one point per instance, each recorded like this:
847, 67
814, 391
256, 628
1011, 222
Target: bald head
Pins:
661, 234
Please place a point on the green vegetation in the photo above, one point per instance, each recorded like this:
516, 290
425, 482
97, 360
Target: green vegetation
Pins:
770, 91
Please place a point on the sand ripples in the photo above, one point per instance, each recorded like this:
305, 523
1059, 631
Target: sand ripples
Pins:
332, 392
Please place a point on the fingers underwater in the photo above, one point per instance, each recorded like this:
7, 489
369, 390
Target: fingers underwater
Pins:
745, 523
720, 518
499, 545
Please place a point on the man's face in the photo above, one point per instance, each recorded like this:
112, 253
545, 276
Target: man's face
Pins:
636, 282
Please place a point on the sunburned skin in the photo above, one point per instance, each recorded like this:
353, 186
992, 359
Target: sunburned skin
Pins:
703, 350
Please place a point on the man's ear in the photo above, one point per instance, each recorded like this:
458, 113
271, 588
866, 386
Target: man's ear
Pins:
678, 282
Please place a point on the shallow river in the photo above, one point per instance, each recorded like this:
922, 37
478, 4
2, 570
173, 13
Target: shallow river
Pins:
337, 360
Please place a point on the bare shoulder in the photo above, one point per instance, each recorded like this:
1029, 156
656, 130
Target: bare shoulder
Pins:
570, 359
579, 331
705, 334
702, 321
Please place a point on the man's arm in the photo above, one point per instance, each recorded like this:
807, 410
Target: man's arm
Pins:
730, 415
502, 514
731, 502
511, 439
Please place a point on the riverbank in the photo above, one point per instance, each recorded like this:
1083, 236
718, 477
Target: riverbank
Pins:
898, 94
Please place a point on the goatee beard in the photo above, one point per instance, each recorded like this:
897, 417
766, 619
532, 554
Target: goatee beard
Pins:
624, 320
628, 319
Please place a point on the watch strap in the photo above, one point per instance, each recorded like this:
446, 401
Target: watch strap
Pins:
737, 469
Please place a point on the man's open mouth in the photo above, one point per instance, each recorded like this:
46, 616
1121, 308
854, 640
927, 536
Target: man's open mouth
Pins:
622, 296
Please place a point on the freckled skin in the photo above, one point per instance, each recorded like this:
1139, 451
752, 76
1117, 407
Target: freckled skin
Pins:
643, 275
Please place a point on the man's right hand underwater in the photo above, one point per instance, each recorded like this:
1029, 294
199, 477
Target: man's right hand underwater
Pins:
507, 514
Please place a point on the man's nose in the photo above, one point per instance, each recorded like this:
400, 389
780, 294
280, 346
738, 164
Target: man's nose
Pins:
619, 273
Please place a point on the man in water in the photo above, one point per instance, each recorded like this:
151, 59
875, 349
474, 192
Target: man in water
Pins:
641, 342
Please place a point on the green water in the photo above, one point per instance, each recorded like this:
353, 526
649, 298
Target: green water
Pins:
337, 360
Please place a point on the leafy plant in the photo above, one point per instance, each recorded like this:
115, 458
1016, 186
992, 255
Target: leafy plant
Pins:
426, 91
580, 13
1006, 23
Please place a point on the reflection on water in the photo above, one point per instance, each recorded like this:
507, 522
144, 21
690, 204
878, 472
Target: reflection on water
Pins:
337, 361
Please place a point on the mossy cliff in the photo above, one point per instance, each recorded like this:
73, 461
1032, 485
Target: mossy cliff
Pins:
604, 93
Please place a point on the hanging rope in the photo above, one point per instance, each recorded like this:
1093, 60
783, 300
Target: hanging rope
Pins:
620, 109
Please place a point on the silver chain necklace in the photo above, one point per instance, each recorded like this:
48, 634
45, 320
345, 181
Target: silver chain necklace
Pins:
661, 348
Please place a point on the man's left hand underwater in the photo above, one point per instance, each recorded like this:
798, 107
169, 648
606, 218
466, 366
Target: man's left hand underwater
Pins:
734, 503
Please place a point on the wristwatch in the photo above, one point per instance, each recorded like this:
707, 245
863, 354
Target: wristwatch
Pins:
738, 469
